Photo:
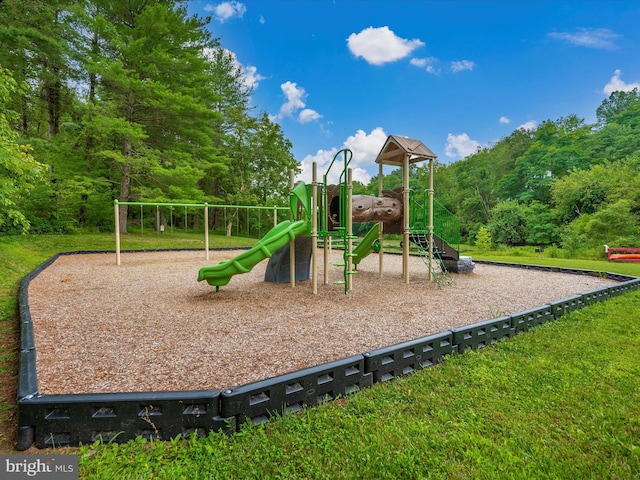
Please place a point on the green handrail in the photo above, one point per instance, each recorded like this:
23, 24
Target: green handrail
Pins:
446, 225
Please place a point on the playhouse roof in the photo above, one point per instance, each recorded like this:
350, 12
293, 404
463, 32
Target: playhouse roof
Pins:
396, 147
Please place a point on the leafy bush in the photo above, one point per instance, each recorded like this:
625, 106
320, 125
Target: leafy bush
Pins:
554, 252
508, 223
43, 225
541, 224
612, 225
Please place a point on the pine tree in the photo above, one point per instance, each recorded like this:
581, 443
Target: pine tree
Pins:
483, 239
36, 41
154, 115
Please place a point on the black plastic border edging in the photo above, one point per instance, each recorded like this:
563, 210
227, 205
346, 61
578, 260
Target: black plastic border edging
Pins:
257, 402
389, 362
72, 419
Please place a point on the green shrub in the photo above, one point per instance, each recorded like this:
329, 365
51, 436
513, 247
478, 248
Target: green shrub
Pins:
554, 252
483, 239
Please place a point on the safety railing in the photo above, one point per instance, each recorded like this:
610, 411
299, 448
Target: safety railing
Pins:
446, 225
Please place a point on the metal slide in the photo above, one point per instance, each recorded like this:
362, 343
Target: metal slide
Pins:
220, 274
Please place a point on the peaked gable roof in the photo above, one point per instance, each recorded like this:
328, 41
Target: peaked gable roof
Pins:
396, 147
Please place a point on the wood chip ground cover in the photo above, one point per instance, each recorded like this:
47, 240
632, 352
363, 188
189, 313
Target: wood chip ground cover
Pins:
148, 325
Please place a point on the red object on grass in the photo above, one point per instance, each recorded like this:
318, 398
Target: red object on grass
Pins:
623, 254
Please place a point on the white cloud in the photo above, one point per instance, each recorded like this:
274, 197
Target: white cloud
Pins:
504, 120
460, 146
365, 148
426, 63
307, 115
589, 37
227, 10
296, 101
323, 159
251, 78
296, 98
616, 84
380, 45
460, 65
530, 125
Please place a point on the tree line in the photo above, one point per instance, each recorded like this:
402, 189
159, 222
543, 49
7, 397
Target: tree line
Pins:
125, 100
136, 101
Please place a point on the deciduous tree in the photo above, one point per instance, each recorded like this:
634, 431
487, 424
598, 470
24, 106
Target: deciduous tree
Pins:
18, 169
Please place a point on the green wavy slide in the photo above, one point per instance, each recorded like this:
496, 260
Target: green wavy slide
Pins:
220, 274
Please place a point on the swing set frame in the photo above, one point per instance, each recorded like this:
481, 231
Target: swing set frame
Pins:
206, 206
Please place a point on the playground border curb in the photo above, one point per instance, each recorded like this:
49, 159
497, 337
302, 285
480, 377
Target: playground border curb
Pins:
73, 419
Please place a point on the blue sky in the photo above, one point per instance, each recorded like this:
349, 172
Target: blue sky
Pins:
454, 74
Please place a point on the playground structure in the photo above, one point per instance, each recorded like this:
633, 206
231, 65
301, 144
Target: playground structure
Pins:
322, 211
622, 254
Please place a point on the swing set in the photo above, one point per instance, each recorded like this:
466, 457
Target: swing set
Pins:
238, 215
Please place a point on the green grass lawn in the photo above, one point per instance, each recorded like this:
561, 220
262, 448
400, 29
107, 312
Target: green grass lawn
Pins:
561, 401
529, 256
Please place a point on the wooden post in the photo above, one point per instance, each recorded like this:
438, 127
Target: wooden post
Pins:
292, 242
349, 229
406, 220
314, 228
116, 209
381, 233
206, 231
325, 231
430, 219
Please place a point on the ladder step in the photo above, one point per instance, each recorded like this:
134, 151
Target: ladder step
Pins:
339, 265
339, 282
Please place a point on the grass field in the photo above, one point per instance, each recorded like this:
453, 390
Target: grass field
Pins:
561, 401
